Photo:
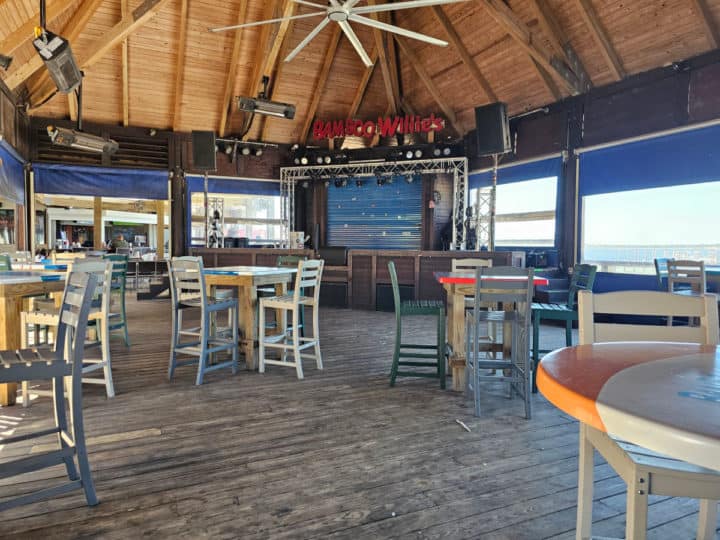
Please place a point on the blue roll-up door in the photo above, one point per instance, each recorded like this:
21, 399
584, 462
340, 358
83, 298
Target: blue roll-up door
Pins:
375, 217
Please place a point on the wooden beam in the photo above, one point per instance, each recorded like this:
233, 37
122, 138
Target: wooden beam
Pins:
124, 66
392, 60
384, 63
547, 80
706, 18
429, 84
72, 106
519, 31
226, 103
160, 239
110, 39
272, 57
180, 63
97, 223
24, 33
320, 83
459, 46
550, 27
601, 38
362, 85
70, 31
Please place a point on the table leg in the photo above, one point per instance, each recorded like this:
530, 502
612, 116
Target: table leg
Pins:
10, 309
280, 318
247, 302
583, 530
457, 340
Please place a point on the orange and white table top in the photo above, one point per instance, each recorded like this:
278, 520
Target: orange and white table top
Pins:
663, 396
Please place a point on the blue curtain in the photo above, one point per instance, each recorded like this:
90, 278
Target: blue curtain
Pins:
100, 181
689, 157
240, 186
518, 173
12, 174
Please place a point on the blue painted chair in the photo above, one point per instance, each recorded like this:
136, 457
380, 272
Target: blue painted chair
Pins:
118, 317
413, 355
187, 290
583, 279
66, 360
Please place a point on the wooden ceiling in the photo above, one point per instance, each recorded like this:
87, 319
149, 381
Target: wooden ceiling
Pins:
152, 63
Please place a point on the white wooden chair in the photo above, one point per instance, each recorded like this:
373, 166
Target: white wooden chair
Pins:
691, 274
99, 314
66, 256
290, 340
645, 472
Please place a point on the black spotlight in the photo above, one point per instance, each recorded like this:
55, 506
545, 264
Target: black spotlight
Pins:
380, 181
245, 151
437, 152
327, 183
304, 160
447, 151
258, 152
409, 178
409, 154
338, 182
359, 183
418, 153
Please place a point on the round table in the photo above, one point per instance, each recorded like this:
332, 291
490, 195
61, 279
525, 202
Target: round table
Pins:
662, 396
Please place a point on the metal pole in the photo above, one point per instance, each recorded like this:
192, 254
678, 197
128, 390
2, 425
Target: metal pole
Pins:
207, 215
491, 236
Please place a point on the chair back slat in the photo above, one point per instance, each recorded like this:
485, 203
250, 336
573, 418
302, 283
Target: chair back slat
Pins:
187, 281
690, 273
74, 310
395, 289
513, 285
458, 265
309, 275
583, 279
5, 263
661, 273
648, 304
102, 270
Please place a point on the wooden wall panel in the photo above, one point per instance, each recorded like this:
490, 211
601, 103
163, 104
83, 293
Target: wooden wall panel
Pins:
362, 294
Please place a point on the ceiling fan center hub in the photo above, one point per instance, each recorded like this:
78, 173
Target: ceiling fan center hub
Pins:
338, 14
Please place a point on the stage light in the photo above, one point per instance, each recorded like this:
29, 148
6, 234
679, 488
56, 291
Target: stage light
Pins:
409, 178
447, 151
359, 183
296, 161
437, 152
258, 152
228, 149
418, 153
327, 183
338, 183
327, 160
306, 184
304, 160
380, 181
409, 154
319, 160
245, 151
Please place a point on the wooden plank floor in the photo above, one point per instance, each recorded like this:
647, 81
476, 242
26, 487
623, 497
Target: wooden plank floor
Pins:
338, 455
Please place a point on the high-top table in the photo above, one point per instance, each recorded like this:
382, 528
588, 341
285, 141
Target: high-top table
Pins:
247, 279
459, 285
14, 285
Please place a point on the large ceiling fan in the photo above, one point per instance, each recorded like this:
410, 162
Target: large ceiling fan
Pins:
343, 12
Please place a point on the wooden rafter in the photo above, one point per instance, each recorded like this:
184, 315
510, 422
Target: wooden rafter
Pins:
226, 103
320, 83
124, 68
392, 60
112, 38
180, 63
709, 26
520, 32
547, 80
459, 46
362, 85
601, 38
24, 33
384, 64
70, 31
429, 84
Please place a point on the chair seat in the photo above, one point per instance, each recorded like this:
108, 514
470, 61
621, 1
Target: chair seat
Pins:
496, 316
32, 364
212, 304
554, 311
421, 307
286, 301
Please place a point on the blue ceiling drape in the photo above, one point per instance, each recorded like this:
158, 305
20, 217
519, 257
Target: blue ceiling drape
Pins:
232, 186
56, 179
521, 172
12, 174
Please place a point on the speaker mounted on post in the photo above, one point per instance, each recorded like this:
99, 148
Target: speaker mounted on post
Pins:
203, 150
493, 130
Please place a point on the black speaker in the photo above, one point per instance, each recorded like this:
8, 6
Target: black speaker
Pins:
203, 150
493, 131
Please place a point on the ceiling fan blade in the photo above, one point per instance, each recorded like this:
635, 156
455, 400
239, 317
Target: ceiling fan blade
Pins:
403, 5
398, 30
315, 31
352, 37
350, 3
268, 21
312, 4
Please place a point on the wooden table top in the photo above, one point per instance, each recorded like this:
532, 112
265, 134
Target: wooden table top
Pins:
12, 277
468, 278
663, 396
248, 270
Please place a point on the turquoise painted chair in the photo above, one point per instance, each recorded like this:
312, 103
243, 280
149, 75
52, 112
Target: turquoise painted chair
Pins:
119, 281
5, 264
411, 355
583, 278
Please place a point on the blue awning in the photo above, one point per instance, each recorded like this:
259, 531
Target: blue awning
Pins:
507, 174
12, 174
233, 186
688, 157
100, 181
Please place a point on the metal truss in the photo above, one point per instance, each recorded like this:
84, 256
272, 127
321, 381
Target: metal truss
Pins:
484, 222
458, 167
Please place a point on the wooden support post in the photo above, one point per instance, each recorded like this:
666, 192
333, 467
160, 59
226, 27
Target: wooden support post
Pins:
160, 243
97, 223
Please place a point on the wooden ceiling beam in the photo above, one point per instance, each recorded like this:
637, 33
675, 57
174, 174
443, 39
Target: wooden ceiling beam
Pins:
180, 64
227, 99
520, 32
24, 33
362, 85
429, 84
125, 76
709, 27
72, 29
601, 38
113, 37
393, 100
547, 80
320, 83
459, 46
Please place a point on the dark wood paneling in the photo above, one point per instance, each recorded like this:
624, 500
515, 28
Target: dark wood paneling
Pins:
704, 93
361, 296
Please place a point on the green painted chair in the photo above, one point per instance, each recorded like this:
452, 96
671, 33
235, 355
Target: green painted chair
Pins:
118, 319
583, 278
434, 357
5, 264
